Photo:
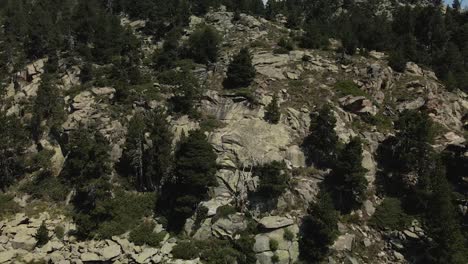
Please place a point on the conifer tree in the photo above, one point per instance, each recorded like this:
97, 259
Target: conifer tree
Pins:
42, 235
203, 45
158, 159
347, 183
13, 142
319, 230
48, 108
273, 179
447, 244
322, 143
272, 111
195, 168
240, 72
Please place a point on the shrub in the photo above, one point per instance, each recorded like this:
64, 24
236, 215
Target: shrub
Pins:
124, 212
288, 235
348, 87
286, 44
59, 232
144, 235
7, 205
397, 61
273, 245
389, 215
210, 123
46, 186
185, 250
42, 235
275, 258
225, 211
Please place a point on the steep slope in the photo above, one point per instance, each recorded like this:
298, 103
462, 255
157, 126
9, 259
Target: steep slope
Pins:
366, 97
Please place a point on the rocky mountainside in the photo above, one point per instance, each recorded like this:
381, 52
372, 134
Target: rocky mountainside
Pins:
366, 97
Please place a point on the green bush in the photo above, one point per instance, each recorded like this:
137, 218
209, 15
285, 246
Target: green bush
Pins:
288, 235
275, 258
185, 250
273, 245
210, 123
7, 205
348, 87
225, 210
390, 215
125, 211
286, 44
397, 61
47, 187
59, 232
144, 235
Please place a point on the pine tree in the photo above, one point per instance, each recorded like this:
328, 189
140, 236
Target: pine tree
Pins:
131, 162
13, 143
322, 143
203, 45
240, 72
273, 179
42, 235
187, 91
347, 183
158, 160
313, 37
88, 158
272, 111
48, 108
447, 244
195, 168
319, 230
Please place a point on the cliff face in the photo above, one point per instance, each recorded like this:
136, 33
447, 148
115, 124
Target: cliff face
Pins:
303, 80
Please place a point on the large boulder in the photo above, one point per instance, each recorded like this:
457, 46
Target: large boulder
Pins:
344, 242
228, 226
110, 252
358, 105
275, 222
7, 256
90, 257
23, 241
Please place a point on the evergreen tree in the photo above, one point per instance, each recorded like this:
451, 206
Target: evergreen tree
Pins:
131, 162
158, 160
195, 168
203, 45
273, 179
186, 93
397, 61
447, 244
347, 183
313, 36
87, 170
319, 230
88, 158
240, 72
322, 143
86, 73
272, 111
13, 143
48, 108
42, 235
